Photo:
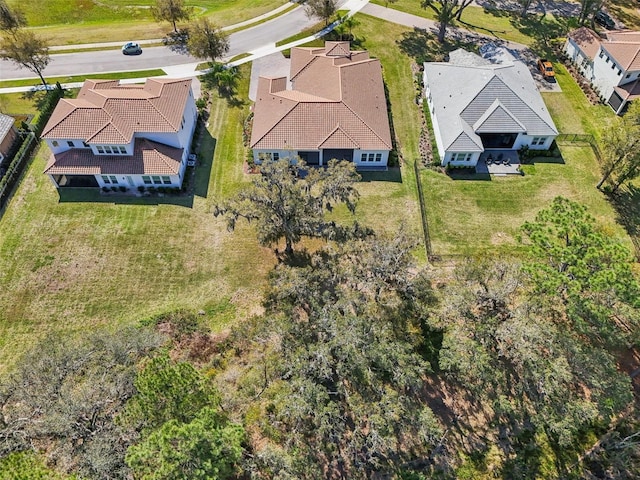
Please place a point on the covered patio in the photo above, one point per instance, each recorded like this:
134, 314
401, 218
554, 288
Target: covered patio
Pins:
499, 162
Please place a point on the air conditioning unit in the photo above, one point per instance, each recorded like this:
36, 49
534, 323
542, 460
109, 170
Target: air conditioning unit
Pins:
191, 160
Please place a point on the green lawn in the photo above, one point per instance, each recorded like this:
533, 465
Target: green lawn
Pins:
65, 22
470, 216
70, 265
531, 31
73, 265
479, 217
158, 72
572, 112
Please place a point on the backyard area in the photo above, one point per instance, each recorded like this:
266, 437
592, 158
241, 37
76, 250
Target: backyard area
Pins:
473, 215
69, 263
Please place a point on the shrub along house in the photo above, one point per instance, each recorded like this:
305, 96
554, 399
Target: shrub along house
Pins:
335, 108
477, 106
117, 135
611, 63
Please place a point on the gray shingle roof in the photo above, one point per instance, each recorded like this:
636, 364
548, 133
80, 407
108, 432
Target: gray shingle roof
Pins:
6, 122
474, 99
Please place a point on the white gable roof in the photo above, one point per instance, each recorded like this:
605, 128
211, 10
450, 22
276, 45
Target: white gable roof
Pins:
473, 98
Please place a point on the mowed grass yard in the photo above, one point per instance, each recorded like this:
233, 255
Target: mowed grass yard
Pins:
480, 217
74, 265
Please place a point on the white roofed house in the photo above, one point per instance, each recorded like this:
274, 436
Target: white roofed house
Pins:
116, 135
610, 62
477, 106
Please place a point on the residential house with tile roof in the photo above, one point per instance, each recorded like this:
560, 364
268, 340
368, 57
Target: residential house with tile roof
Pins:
8, 135
332, 105
122, 135
611, 63
479, 106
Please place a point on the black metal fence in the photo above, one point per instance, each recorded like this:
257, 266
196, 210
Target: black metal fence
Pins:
423, 211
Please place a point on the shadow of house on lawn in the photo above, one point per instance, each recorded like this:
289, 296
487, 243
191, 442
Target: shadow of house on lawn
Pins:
421, 45
392, 174
94, 195
205, 151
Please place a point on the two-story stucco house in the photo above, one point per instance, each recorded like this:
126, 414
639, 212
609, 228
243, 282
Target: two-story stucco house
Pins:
336, 108
611, 63
126, 135
479, 106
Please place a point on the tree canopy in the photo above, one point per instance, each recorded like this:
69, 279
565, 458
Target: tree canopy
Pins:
620, 150
322, 9
11, 19
184, 432
586, 269
519, 359
287, 204
446, 11
27, 50
206, 41
64, 396
344, 330
171, 11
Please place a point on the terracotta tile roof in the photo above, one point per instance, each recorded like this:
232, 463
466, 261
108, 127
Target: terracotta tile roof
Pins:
107, 112
149, 158
587, 40
337, 101
627, 55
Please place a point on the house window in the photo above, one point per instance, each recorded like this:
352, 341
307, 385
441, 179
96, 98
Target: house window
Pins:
628, 75
113, 179
182, 124
265, 156
146, 179
538, 140
378, 157
602, 55
613, 65
166, 180
100, 149
54, 143
276, 156
70, 143
105, 179
156, 179
368, 157
123, 150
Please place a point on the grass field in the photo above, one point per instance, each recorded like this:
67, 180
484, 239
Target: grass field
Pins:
74, 265
530, 31
64, 22
70, 265
471, 217
158, 72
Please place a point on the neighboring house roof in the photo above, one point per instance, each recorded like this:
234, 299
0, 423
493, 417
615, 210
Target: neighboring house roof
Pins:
149, 158
106, 112
622, 46
6, 124
587, 40
337, 101
473, 98
629, 91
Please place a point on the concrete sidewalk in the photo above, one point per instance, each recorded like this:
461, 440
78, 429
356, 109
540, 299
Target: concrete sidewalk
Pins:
189, 69
251, 21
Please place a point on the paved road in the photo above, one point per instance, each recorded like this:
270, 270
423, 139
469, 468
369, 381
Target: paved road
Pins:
252, 39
